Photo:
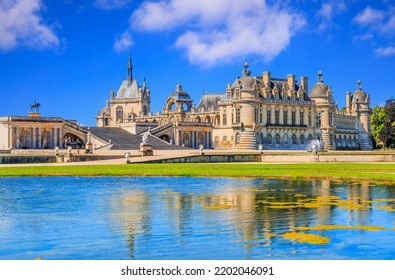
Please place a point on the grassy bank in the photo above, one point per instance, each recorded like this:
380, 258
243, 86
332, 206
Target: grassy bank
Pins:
382, 172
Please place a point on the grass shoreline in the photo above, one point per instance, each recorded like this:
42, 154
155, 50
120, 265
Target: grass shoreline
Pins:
332, 171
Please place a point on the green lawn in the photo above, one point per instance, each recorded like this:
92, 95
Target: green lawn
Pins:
382, 172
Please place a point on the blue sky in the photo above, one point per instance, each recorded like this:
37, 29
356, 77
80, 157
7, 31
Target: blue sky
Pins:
69, 54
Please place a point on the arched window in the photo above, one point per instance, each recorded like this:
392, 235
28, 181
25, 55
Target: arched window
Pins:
302, 139
286, 139
106, 122
269, 138
277, 137
119, 114
207, 119
198, 119
294, 140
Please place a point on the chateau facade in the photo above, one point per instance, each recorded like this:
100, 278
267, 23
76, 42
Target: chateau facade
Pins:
254, 110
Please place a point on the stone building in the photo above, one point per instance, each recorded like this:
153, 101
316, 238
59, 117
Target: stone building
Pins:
276, 113
281, 114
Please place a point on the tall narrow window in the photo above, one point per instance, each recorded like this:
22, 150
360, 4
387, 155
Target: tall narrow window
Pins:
310, 122
237, 115
301, 118
318, 119
293, 117
224, 119
256, 116
119, 114
269, 116
277, 117
285, 117
260, 115
330, 119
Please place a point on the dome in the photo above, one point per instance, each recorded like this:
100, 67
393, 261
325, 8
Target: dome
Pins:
320, 89
246, 81
179, 94
359, 95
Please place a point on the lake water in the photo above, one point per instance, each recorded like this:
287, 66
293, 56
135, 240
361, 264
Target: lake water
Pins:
194, 218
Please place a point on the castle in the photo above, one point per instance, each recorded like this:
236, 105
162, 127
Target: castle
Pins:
254, 110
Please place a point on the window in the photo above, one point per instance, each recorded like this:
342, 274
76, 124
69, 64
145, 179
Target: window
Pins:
269, 116
216, 139
301, 118
119, 114
260, 115
310, 123
269, 138
277, 138
294, 141
224, 119
302, 139
330, 119
285, 117
277, 117
237, 115
286, 139
318, 119
293, 116
256, 116
225, 138
106, 122
237, 93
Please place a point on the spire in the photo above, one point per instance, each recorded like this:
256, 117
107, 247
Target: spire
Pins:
130, 69
320, 76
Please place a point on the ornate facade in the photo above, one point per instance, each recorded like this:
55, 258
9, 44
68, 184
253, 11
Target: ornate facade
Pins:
276, 113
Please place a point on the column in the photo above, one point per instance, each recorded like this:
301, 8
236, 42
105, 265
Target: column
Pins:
193, 139
17, 136
34, 144
39, 138
181, 138
61, 142
297, 121
55, 137
264, 115
281, 115
273, 114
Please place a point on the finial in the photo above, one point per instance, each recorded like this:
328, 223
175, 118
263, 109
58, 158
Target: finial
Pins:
359, 83
320, 76
246, 64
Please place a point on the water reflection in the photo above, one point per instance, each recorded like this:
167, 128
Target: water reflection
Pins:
196, 218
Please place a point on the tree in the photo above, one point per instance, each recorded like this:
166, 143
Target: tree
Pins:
387, 133
377, 119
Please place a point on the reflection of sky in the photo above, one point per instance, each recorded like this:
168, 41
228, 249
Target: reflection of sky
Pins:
190, 218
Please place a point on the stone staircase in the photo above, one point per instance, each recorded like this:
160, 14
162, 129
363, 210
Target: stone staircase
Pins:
247, 141
123, 140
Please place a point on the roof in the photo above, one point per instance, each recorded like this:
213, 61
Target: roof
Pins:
210, 101
128, 89
179, 94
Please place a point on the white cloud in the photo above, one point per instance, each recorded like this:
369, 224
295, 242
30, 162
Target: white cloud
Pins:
327, 12
111, 4
385, 51
381, 21
220, 30
21, 25
123, 42
369, 16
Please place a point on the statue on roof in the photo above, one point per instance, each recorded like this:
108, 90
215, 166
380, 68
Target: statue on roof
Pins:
35, 106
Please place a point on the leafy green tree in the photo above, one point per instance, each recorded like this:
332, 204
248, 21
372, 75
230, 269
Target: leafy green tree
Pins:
377, 119
387, 133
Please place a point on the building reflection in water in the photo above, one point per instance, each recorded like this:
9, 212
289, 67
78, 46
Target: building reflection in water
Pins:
254, 213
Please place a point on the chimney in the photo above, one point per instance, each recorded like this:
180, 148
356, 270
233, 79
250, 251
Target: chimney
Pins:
291, 81
348, 102
304, 84
266, 78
